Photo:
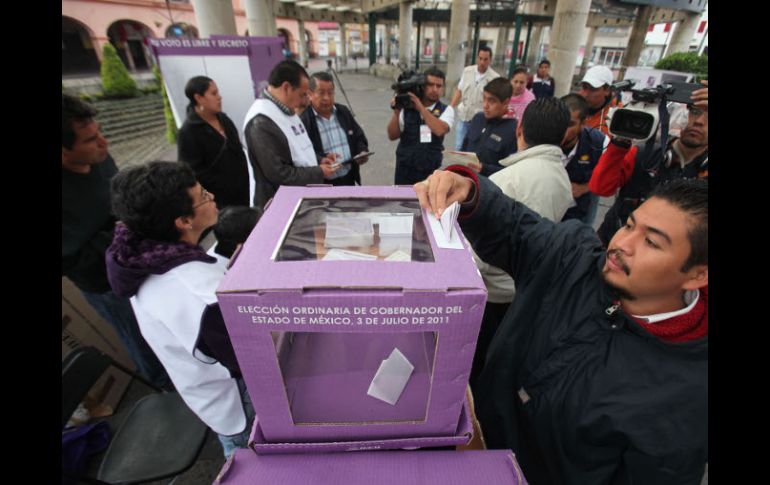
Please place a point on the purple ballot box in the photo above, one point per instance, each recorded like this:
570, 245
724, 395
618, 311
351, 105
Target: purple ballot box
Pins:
374, 468
349, 321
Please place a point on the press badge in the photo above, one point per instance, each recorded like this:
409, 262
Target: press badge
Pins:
424, 134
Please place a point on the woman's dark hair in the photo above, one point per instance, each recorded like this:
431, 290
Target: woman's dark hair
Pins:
197, 85
520, 70
148, 198
233, 227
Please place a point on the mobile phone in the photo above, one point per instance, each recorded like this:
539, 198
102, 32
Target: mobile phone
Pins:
683, 91
362, 155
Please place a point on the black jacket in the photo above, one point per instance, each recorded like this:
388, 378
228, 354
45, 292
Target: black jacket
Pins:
590, 146
87, 225
356, 137
491, 141
581, 394
219, 164
270, 157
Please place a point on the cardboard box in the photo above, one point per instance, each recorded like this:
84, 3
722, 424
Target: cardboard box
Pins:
497, 467
82, 326
461, 437
373, 343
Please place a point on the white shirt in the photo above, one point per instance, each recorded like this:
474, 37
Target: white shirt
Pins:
691, 297
448, 116
168, 308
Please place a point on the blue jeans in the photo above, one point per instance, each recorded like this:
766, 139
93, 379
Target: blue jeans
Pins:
118, 312
461, 129
241, 440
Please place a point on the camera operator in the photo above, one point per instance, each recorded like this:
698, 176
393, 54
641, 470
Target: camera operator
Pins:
683, 157
421, 130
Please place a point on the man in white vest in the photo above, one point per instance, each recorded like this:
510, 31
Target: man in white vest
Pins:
277, 144
470, 92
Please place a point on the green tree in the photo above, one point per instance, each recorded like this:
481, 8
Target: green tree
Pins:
170, 122
686, 62
116, 82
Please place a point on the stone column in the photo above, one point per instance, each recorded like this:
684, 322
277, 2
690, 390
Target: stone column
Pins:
569, 24
214, 17
436, 43
405, 10
683, 33
344, 42
260, 18
458, 33
303, 57
635, 40
587, 51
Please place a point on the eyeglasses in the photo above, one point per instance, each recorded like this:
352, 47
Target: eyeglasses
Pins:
206, 197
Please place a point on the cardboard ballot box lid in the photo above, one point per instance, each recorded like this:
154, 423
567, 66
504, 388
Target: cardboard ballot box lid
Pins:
374, 468
254, 268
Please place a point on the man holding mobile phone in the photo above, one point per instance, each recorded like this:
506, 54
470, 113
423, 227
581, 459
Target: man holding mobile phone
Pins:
334, 132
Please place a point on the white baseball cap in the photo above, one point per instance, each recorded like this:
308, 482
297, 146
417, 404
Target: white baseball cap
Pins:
598, 76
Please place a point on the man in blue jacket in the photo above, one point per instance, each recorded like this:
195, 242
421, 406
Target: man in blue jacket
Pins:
332, 129
489, 135
582, 148
598, 372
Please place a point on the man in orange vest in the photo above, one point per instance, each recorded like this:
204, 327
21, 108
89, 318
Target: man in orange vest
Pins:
597, 91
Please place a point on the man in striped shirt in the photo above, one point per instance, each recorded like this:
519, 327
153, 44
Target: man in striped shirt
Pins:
332, 129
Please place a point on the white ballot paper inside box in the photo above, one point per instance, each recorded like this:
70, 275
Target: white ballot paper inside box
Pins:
343, 232
395, 233
391, 378
345, 255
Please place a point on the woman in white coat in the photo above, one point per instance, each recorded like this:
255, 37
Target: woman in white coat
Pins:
155, 260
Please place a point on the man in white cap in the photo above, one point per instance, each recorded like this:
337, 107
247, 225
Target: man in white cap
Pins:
597, 91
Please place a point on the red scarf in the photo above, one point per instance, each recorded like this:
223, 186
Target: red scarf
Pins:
682, 328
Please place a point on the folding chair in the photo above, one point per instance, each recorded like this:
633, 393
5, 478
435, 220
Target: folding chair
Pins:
160, 438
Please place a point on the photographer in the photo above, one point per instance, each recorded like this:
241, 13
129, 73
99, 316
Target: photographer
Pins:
421, 130
683, 157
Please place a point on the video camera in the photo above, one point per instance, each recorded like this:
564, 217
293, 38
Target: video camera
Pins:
408, 82
639, 120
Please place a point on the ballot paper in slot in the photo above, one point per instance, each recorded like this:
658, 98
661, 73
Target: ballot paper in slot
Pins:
391, 378
346, 232
443, 229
